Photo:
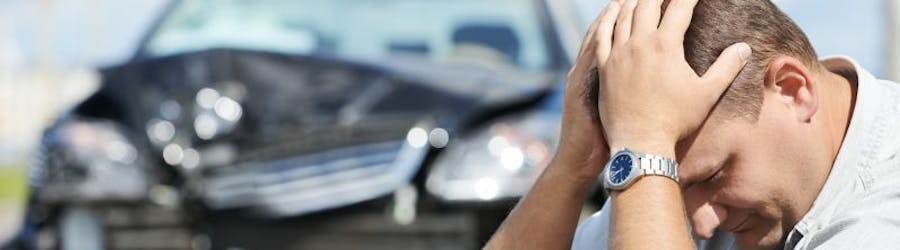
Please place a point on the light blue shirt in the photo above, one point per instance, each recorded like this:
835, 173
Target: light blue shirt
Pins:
859, 206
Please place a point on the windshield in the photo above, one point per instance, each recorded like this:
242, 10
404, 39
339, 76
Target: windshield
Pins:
499, 32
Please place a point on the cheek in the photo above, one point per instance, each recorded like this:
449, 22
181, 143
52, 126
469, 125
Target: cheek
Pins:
746, 182
746, 176
755, 182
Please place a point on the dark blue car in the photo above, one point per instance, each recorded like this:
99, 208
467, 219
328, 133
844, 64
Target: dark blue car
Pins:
318, 124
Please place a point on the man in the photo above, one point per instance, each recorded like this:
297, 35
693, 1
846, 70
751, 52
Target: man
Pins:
774, 149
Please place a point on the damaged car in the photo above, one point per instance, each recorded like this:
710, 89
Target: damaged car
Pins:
317, 124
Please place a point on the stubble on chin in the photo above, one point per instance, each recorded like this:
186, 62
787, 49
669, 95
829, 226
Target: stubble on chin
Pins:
761, 238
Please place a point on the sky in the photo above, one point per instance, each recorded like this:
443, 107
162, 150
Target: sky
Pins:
855, 28
69, 33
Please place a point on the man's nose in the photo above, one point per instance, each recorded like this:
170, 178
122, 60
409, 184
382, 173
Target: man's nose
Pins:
706, 217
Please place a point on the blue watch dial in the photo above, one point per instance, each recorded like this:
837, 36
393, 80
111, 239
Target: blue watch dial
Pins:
620, 168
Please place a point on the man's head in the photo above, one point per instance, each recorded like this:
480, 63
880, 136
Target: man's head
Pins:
718, 24
747, 169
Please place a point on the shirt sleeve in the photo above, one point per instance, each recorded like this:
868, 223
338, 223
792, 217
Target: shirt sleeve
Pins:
593, 233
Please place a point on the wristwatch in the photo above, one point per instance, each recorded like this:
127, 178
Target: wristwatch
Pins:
627, 166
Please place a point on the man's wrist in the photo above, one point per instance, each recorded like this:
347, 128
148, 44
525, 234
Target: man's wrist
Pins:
582, 173
653, 147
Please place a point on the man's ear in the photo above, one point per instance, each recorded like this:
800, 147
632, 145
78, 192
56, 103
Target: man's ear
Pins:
793, 84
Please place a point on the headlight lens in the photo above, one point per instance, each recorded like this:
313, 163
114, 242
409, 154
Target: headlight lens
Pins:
89, 160
217, 114
500, 160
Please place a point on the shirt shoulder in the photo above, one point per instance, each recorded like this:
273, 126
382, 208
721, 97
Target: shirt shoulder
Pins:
870, 223
853, 210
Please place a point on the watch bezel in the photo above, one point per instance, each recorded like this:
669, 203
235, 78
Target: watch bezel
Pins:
632, 173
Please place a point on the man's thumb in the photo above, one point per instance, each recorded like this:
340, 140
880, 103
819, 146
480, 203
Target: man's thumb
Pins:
727, 66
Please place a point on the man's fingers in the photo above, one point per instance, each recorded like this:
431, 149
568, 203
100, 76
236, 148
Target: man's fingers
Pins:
587, 56
646, 16
623, 23
604, 32
726, 68
589, 35
678, 18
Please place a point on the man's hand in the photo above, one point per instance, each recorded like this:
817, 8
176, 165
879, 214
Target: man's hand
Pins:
650, 96
546, 217
582, 148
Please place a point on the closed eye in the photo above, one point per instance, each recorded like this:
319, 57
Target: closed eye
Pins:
717, 177
712, 179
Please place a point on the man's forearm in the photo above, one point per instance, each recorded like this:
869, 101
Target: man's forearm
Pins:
651, 98
650, 215
547, 216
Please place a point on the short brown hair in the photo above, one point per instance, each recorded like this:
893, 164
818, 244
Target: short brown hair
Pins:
717, 24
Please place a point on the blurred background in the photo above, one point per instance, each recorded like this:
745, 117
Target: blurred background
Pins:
316, 124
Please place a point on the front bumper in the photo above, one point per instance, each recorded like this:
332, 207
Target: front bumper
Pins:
364, 226
315, 182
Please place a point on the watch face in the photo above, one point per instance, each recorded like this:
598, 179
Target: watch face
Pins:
620, 168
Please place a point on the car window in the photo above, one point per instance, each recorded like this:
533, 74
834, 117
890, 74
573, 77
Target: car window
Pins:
499, 32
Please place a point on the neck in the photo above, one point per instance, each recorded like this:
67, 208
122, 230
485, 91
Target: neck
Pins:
840, 93
837, 96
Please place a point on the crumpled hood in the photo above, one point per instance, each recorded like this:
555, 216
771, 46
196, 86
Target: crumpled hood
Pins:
319, 102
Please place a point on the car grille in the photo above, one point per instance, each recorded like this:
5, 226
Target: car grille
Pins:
315, 181
263, 143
